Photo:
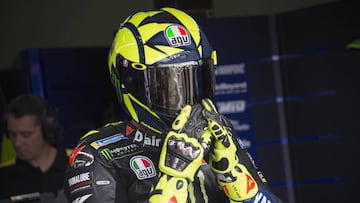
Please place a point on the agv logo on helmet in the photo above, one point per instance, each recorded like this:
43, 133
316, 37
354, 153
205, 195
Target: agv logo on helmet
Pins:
177, 36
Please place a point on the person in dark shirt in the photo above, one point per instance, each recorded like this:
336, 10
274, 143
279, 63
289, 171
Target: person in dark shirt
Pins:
34, 130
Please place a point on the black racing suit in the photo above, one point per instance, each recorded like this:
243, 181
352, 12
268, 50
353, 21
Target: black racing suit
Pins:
119, 163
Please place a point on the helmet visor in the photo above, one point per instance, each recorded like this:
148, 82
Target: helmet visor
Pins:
171, 86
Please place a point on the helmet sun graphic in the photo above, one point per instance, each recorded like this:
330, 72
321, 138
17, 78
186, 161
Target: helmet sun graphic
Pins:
159, 61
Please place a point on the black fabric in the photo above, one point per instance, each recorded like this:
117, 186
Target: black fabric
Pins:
119, 163
22, 178
113, 177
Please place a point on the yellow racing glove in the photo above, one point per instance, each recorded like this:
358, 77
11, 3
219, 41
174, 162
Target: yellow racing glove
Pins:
181, 155
235, 179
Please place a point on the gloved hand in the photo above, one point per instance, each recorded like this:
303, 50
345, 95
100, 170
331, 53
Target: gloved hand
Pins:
223, 157
181, 155
182, 152
233, 177
194, 125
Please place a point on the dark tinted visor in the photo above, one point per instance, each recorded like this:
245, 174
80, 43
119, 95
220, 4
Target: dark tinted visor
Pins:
171, 86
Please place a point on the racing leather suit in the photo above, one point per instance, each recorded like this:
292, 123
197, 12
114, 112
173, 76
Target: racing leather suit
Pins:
119, 163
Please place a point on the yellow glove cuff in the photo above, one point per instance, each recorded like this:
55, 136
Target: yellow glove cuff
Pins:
170, 189
243, 188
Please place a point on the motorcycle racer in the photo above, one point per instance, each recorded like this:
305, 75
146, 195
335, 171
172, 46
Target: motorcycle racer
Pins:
176, 147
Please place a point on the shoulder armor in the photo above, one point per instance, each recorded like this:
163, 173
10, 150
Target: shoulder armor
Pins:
108, 142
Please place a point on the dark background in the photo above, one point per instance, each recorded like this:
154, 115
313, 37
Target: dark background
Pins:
302, 83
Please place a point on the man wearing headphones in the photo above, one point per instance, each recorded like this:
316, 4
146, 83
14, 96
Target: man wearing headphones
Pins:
34, 129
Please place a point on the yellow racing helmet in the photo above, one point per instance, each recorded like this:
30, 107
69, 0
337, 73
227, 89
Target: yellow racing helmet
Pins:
160, 61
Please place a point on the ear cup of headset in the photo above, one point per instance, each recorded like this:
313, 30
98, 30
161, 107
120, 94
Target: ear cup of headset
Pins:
52, 128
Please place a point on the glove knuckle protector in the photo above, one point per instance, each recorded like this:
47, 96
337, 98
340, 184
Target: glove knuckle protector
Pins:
181, 156
182, 152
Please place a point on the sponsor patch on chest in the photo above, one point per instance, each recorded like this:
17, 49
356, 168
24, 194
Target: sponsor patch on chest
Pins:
108, 140
117, 152
80, 182
143, 167
146, 140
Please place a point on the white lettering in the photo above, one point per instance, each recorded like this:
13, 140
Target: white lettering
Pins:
244, 143
119, 150
232, 106
82, 198
230, 69
261, 198
226, 88
146, 140
240, 126
79, 178
138, 136
258, 197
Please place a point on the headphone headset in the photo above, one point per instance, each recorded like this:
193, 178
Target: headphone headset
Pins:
51, 126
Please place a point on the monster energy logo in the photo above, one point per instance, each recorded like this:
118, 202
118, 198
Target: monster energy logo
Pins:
118, 151
107, 153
